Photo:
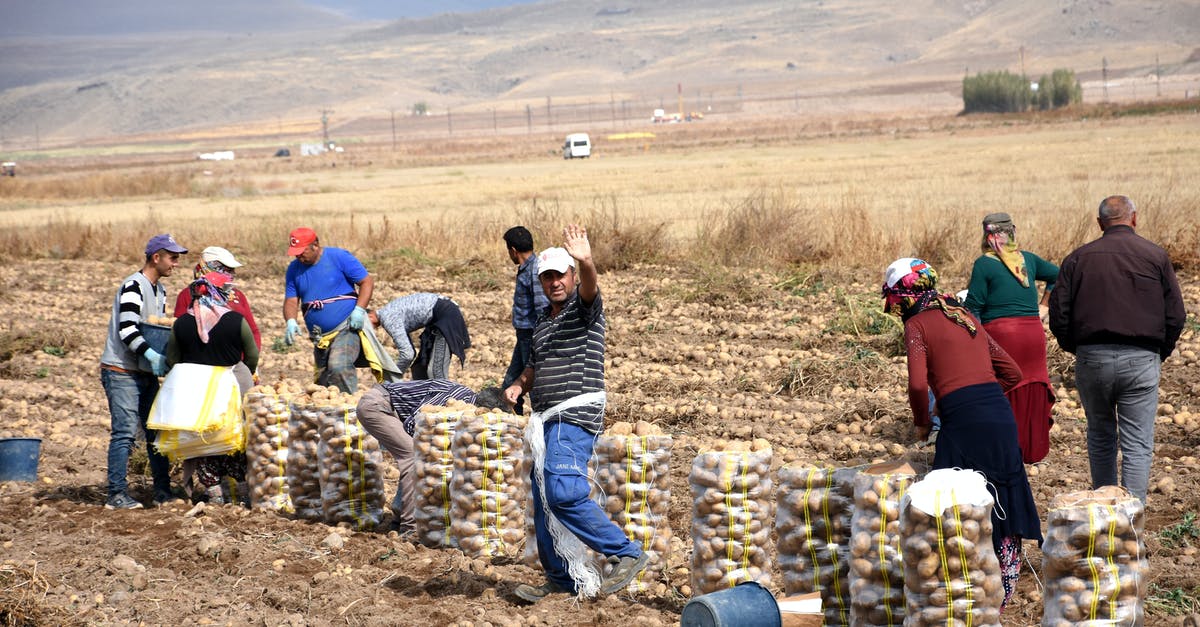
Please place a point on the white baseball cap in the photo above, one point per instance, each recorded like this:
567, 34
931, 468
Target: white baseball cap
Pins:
556, 259
221, 256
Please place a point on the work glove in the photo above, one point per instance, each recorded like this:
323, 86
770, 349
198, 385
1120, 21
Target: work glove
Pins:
289, 336
357, 317
158, 363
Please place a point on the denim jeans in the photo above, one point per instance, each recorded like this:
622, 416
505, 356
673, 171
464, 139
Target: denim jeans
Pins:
130, 396
1118, 386
521, 355
568, 449
337, 363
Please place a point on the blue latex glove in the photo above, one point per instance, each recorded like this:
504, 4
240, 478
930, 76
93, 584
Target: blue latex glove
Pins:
293, 328
357, 317
158, 363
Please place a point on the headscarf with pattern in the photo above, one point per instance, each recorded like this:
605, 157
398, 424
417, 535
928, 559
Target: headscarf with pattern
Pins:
210, 301
1000, 242
910, 287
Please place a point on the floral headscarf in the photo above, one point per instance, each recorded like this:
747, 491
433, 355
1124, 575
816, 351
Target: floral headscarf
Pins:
210, 301
910, 287
1000, 242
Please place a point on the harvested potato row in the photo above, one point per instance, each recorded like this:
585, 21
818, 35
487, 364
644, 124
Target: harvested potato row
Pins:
876, 559
351, 467
1095, 563
952, 574
267, 417
732, 508
433, 435
490, 484
812, 524
631, 482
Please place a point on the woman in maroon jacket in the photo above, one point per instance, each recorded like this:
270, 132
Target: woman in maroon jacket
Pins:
950, 353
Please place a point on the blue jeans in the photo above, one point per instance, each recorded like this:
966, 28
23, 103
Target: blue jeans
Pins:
568, 448
521, 355
337, 363
1118, 386
130, 396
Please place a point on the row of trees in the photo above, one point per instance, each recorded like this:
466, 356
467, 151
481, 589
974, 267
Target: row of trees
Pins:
1003, 92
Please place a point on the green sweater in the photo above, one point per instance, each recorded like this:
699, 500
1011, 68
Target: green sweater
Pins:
995, 293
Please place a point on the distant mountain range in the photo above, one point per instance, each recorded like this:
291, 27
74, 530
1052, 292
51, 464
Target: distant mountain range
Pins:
159, 67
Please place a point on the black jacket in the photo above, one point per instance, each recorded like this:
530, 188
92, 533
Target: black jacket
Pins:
1119, 289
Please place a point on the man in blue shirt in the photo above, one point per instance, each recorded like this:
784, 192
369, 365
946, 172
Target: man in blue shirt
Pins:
528, 302
332, 289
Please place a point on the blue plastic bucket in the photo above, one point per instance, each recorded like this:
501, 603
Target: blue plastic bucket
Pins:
744, 605
19, 458
156, 335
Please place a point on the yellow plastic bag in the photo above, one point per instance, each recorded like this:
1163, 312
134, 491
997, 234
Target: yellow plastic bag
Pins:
195, 397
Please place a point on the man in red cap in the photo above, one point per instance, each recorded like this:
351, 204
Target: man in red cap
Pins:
332, 289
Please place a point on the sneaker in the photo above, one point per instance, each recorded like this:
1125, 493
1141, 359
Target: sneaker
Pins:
533, 594
626, 568
216, 496
121, 501
162, 498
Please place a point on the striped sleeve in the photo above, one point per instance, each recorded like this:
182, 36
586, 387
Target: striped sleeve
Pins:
129, 317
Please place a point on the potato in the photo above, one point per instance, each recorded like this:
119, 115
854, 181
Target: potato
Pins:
731, 506
1093, 557
267, 415
630, 480
489, 484
350, 462
303, 471
433, 435
876, 560
815, 507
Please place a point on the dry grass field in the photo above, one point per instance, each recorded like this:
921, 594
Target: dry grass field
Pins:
740, 266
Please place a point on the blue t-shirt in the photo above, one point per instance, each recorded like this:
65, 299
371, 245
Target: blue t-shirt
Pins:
334, 274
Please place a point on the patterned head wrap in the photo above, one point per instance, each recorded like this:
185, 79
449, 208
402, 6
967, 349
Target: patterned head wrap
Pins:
210, 301
204, 267
910, 287
1000, 242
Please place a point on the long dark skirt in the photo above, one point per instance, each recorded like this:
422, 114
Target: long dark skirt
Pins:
979, 433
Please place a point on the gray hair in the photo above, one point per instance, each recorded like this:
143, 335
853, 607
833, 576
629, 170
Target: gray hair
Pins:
1116, 208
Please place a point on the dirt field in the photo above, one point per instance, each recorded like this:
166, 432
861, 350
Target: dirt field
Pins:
744, 358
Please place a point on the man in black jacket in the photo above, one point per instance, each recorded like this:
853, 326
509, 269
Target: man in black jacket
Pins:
1118, 307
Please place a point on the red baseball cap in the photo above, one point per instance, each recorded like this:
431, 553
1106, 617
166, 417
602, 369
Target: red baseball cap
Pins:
300, 239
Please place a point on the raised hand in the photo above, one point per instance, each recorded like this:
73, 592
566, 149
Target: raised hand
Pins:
575, 241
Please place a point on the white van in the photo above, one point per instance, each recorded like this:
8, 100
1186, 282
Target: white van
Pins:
577, 145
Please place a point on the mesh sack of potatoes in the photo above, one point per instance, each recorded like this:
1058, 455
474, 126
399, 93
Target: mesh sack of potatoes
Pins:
952, 575
351, 465
812, 523
631, 482
876, 559
433, 436
732, 508
1093, 558
490, 484
267, 413
304, 433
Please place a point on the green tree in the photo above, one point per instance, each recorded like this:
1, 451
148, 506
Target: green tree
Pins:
996, 92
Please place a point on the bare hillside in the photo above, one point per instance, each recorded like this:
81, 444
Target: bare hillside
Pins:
573, 50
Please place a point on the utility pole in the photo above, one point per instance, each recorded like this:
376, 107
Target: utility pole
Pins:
1022, 61
393, 111
325, 125
1157, 78
449, 122
495, 128
679, 95
528, 119
1104, 75
549, 115
612, 106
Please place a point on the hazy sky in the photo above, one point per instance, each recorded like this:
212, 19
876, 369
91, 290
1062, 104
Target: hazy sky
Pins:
40, 18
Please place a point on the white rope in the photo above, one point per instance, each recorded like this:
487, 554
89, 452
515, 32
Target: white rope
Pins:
566, 544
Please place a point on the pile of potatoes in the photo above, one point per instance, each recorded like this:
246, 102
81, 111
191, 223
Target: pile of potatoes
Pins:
631, 481
433, 435
876, 559
816, 505
490, 484
952, 574
304, 434
267, 413
351, 469
1095, 563
732, 506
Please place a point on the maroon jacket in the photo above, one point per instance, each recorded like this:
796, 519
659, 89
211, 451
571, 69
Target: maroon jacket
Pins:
1119, 289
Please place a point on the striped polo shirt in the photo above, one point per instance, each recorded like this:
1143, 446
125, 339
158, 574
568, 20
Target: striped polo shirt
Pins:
568, 360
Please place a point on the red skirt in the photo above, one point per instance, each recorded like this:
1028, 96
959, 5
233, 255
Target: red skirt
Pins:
1032, 399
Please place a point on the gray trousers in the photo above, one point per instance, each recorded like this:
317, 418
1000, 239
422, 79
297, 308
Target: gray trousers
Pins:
379, 418
1118, 386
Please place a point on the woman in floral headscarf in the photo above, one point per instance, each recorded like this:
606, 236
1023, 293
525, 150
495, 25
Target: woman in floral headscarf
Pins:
210, 333
949, 353
1003, 294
